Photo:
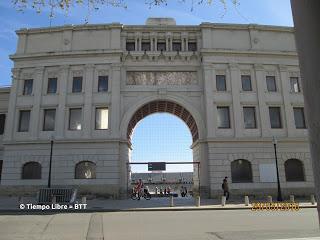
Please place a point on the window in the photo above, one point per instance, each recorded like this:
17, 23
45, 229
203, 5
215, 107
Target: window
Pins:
246, 82
75, 118
52, 85
176, 46
102, 118
145, 46
275, 117
130, 46
271, 83
103, 84
27, 88
294, 170
249, 115
192, 46
223, 117
85, 170
24, 120
31, 170
299, 117
77, 84
241, 171
1, 163
221, 82
294, 84
49, 119
2, 123
161, 46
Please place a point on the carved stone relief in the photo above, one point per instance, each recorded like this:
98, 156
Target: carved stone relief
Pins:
162, 78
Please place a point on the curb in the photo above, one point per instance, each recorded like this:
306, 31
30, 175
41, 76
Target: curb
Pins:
91, 210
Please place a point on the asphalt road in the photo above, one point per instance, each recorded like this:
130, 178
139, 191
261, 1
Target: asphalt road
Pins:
175, 225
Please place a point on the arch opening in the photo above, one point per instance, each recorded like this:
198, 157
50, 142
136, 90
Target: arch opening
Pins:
161, 106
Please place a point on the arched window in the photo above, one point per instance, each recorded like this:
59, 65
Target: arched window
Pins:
294, 170
241, 171
31, 170
85, 170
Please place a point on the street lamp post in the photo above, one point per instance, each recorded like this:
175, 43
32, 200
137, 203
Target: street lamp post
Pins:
50, 163
274, 141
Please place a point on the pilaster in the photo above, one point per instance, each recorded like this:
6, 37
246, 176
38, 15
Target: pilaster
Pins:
88, 114
61, 111
235, 88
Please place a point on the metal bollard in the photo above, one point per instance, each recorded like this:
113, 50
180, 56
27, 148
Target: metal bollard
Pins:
84, 200
269, 199
223, 200
292, 198
171, 201
246, 200
313, 200
198, 201
54, 200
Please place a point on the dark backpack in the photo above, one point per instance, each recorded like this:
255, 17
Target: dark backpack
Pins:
222, 186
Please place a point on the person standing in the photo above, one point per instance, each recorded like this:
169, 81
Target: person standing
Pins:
225, 188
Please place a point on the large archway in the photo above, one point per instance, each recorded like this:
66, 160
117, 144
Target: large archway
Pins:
168, 104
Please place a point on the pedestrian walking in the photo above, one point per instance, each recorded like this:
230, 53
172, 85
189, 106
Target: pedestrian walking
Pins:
225, 188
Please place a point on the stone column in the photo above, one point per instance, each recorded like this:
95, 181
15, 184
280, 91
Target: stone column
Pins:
61, 111
288, 110
208, 74
37, 93
306, 20
115, 100
263, 108
236, 88
88, 111
11, 116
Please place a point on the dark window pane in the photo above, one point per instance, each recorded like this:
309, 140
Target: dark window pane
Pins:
275, 117
2, 123
221, 82
102, 118
1, 163
241, 171
145, 46
75, 119
249, 114
294, 84
103, 84
77, 84
246, 82
31, 170
85, 170
24, 120
192, 46
49, 119
299, 117
52, 85
223, 117
161, 46
271, 83
176, 46
130, 46
27, 88
294, 170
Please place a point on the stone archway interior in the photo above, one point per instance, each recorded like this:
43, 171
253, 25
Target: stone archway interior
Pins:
164, 106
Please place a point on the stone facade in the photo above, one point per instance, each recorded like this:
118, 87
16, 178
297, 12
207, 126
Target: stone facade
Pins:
139, 72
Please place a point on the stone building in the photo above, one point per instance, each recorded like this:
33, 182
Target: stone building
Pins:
85, 87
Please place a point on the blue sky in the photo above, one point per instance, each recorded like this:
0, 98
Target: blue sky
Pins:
168, 131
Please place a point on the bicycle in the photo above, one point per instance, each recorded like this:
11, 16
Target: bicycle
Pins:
145, 194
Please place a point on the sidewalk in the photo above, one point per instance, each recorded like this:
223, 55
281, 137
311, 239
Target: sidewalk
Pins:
11, 204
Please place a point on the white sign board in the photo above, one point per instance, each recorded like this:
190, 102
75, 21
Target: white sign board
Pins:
268, 172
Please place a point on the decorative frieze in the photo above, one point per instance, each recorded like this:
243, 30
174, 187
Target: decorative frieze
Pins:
162, 78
